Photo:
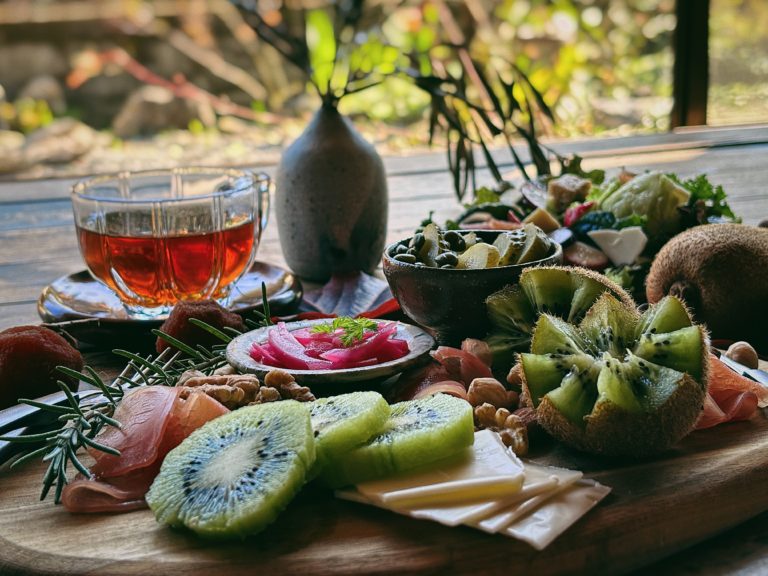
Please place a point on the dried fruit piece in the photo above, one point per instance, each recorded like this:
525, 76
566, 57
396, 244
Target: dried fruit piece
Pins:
209, 311
28, 359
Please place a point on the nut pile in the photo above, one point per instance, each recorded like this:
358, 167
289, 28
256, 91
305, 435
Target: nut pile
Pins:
492, 403
238, 390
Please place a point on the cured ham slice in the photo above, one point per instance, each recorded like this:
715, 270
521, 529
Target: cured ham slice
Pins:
450, 387
154, 420
730, 397
451, 367
144, 415
412, 382
461, 365
93, 496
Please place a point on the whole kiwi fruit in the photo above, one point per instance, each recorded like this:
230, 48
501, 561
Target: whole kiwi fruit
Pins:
721, 271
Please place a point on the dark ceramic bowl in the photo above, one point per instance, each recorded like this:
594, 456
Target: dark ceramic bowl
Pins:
450, 302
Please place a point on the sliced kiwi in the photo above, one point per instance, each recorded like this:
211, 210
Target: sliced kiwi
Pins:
630, 390
546, 371
341, 423
232, 476
565, 292
669, 315
418, 432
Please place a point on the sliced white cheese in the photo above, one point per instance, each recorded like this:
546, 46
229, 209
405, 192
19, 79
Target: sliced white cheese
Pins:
504, 517
621, 246
491, 489
548, 521
487, 471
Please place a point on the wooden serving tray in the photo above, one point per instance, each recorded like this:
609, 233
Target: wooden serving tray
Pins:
713, 480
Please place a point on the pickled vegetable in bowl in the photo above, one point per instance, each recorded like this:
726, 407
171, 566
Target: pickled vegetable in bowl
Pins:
441, 281
469, 250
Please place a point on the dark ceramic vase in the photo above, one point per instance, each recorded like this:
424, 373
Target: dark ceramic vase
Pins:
331, 200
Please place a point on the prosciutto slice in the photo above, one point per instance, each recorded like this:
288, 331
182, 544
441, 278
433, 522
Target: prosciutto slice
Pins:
451, 369
144, 414
462, 365
154, 421
730, 397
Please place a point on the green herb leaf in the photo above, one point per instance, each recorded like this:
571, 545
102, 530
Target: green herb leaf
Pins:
484, 195
353, 329
709, 203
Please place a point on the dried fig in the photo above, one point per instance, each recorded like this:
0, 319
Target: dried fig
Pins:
28, 359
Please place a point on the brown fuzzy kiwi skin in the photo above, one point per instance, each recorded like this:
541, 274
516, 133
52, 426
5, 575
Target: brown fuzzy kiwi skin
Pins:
613, 432
721, 271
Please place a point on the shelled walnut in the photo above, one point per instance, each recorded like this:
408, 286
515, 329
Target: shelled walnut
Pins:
490, 391
288, 388
237, 390
232, 390
511, 428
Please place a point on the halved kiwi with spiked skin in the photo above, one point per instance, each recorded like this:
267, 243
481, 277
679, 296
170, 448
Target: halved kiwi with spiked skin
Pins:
233, 476
565, 292
628, 389
418, 432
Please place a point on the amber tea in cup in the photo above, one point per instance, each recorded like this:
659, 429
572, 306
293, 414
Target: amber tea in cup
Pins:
158, 237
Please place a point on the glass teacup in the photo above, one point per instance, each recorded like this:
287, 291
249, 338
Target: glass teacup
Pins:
156, 237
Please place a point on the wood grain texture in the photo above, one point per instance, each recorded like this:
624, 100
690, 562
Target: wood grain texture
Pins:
714, 480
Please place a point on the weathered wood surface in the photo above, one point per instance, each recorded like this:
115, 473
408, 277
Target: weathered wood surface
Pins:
714, 480
37, 245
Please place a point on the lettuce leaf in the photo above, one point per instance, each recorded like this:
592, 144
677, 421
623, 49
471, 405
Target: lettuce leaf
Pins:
707, 203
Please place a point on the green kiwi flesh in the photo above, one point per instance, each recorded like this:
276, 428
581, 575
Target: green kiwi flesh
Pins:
234, 475
631, 390
564, 292
341, 423
418, 432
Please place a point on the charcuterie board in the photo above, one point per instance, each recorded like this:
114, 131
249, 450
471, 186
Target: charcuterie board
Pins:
713, 480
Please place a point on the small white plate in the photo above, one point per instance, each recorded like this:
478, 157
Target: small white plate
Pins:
419, 344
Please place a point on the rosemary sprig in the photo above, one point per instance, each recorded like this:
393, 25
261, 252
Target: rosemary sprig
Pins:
265, 316
86, 413
80, 421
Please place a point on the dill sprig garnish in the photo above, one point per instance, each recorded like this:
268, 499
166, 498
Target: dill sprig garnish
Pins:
353, 329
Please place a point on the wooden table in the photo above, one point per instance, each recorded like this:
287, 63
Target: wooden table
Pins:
38, 244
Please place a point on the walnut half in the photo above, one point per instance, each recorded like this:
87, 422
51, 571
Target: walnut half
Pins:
233, 390
237, 390
491, 391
